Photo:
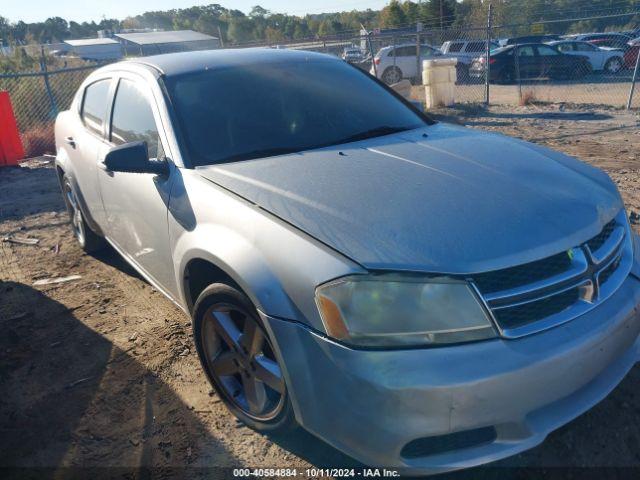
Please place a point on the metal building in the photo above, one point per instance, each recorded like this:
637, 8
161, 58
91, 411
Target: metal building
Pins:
153, 43
95, 48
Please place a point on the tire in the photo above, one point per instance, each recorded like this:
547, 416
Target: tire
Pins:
506, 76
613, 65
580, 71
236, 353
391, 75
89, 240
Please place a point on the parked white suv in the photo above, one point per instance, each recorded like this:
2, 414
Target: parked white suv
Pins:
397, 62
465, 50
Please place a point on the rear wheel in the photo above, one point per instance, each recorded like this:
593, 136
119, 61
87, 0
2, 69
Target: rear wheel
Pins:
87, 238
613, 65
391, 75
238, 356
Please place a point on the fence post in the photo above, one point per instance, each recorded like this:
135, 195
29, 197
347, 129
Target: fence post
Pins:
633, 80
220, 36
393, 43
516, 53
373, 63
487, 54
47, 86
418, 69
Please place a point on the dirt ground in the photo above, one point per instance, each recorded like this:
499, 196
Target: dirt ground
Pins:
100, 371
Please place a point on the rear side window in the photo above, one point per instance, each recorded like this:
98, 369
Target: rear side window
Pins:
94, 105
132, 119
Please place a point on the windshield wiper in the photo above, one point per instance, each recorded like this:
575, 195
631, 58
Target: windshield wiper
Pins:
262, 153
374, 132
275, 151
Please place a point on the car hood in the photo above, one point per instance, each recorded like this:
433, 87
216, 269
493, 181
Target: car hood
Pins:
440, 199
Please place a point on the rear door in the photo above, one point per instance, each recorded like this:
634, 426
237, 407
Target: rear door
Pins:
405, 60
136, 204
528, 62
594, 54
552, 62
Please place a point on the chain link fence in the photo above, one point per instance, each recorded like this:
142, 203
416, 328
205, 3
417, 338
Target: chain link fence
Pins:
523, 64
37, 97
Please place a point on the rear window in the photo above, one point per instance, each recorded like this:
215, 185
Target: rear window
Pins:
94, 105
254, 111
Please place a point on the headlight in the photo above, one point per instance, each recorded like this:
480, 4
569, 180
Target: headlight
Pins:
401, 311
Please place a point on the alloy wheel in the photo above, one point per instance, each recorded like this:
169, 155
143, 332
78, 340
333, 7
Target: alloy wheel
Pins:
242, 362
392, 76
614, 65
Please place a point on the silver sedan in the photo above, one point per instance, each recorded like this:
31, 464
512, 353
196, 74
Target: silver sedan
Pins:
419, 295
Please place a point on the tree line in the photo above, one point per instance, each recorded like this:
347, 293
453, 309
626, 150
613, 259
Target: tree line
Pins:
258, 25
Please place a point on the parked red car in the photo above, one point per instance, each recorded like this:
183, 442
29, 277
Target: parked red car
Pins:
631, 54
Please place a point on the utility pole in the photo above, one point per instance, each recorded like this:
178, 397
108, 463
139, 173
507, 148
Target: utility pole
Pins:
441, 16
371, 53
220, 36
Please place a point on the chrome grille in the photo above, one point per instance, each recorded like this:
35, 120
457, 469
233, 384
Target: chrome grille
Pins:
535, 296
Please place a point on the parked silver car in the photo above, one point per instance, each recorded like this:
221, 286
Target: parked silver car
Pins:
419, 295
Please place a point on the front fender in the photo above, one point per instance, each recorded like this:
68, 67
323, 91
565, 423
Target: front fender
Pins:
274, 263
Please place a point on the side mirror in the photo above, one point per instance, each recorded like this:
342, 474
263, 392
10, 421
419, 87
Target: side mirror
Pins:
133, 157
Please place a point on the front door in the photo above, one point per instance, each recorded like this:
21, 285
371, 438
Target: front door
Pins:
136, 204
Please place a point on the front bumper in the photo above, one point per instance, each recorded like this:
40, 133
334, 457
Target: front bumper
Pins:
370, 404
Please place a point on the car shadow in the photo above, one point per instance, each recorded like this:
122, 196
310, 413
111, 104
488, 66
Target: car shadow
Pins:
72, 404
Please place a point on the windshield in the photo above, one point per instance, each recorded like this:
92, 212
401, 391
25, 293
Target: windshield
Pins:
261, 110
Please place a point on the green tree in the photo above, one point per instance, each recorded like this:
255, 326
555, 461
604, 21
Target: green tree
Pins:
392, 15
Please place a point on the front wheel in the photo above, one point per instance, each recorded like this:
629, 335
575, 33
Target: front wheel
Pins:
613, 65
89, 240
238, 357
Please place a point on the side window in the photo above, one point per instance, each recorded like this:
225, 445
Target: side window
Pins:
566, 47
585, 47
546, 51
426, 51
476, 47
406, 51
94, 105
526, 51
456, 47
132, 119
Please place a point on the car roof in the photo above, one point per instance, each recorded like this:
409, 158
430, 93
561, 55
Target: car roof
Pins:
407, 45
172, 64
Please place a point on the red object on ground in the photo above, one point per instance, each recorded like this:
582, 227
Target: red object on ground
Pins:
11, 149
631, 55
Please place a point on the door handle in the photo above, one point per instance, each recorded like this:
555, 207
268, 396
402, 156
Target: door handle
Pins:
70, 141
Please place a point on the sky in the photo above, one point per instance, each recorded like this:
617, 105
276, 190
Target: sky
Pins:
87, 10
